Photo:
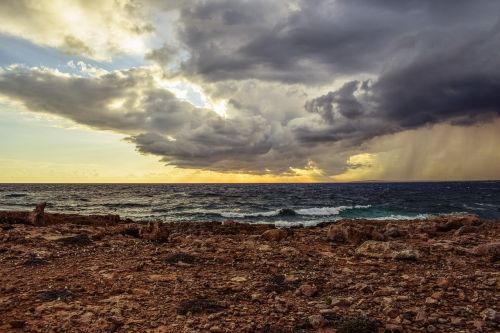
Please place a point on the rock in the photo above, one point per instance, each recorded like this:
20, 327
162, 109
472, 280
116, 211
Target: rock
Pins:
393, 328
335, 233
274, 235
239, 279
466, 229
154, 231
215, 329
353, 235
491, 315
230, 223
393, 231
317, 321
387, 250
489, 249
444, 283
357, 235
307, 290
357, 324
431, 328
37, 216
408, 254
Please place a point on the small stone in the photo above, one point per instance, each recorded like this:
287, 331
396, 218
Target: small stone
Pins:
430, 300
431, 328
215, 329
239, 279
437, 295
444, 283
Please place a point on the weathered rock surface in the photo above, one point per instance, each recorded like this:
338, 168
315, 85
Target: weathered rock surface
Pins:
37, 216
103, 274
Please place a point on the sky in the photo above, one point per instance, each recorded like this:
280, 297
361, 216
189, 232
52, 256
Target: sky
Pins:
249, 91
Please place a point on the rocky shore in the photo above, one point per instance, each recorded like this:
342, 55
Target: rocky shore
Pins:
70, 273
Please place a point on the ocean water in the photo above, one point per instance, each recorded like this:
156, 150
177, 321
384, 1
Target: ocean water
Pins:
279, 204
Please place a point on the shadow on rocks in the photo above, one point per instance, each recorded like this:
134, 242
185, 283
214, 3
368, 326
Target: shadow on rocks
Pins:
54, 295
279, 284
199, 306
180, 257
77, 240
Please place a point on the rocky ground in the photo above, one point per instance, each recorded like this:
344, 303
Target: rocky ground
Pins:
68, 273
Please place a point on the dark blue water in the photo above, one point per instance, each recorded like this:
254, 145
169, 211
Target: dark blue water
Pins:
281, 204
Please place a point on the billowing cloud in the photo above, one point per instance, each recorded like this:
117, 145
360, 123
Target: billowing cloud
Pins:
297, 82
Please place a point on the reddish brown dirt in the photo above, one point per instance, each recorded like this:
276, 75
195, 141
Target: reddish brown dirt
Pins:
100, 274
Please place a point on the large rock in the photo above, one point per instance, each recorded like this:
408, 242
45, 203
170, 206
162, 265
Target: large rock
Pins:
154, 231
274, 234
387, 250
489, 249
353, 235
37, 216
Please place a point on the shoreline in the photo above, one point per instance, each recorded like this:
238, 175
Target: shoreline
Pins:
76, 273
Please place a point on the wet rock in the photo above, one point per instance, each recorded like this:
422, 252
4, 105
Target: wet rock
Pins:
274, 235
154, 231
199, 306
37, 216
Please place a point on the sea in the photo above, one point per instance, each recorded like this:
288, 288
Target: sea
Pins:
279, 204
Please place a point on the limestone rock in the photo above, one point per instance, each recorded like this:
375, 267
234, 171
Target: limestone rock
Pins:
37, 216
274, 235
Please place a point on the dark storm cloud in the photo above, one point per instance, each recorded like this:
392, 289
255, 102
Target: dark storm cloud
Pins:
317, 41
302, 80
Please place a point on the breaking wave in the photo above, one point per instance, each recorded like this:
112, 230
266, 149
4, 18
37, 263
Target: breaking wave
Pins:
315, 211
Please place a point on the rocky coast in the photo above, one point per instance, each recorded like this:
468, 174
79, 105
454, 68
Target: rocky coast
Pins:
72, 273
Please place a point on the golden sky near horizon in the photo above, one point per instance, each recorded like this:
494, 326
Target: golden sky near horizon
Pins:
234, 91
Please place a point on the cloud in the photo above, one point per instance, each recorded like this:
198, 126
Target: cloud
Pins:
133, 102
298, 82
93, 29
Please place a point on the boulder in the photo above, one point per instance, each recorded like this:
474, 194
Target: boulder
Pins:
488, 249
274, 235
353, 235
37, 216
387, 250
154, 231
